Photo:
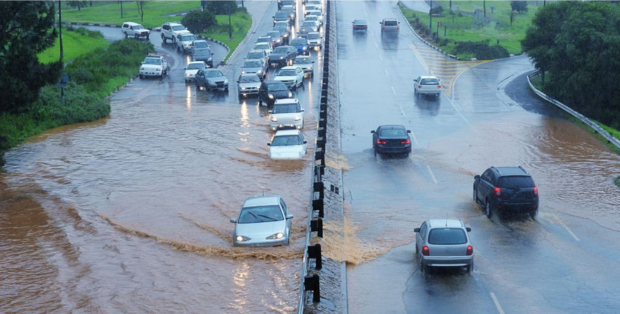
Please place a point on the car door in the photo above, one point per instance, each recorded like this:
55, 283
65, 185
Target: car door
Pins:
419, 238
200, 78
486, 185
286, 214
375, 136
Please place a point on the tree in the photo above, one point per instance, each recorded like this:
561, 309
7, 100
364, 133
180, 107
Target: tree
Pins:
198, 21
25, 31
222, 7
519, 6
141, 5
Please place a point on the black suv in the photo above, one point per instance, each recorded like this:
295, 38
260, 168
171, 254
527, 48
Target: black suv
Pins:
271, 90
506, 189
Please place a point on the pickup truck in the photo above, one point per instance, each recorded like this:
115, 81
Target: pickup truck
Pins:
169, 31
154, 65
135, 30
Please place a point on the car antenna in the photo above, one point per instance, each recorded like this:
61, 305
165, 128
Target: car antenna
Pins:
446, 219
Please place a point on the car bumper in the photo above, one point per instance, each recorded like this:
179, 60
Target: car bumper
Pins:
524, 207
218, 86
277, 63
286, 125
447, 261
151, 73
393, 150
261, 243
248, 92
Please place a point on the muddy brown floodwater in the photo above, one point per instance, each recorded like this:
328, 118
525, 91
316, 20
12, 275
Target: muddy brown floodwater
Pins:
131, 213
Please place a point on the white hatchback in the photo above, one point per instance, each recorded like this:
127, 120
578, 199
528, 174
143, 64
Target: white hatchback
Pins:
286, 113
193, 68
288, 145
291, 76
429, 85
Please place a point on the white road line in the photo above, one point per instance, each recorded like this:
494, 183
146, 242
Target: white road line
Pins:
565, 227
414, 138
381, 57
386, 72
402, 111
393, 90
376, 45
497, 305
432, 174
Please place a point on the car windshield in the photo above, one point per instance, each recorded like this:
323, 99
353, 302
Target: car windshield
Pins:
249, 79
389, 23
201, 44
298, 42
286, 140
285, 108
255, 55
314, 36
315, 13
273, 34
280, 50
152, 61
447, 236
281, 24
188, 38
251, 64
516, 182
274, 87
263, 40
429, 81
282, 15
213, 74
359, 22
138, 27
259, 214
195, 66
177, 27
302, 61
393, 133
282, 30
287, 72
262, 46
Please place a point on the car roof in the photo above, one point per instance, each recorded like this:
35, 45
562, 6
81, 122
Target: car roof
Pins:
192, 62
511, 171
389, 19
173, 23
286, 101
393, 126
261, 200
445, 223
287, 132
131, 23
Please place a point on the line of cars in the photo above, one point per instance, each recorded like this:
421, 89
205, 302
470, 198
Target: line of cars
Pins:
265, 220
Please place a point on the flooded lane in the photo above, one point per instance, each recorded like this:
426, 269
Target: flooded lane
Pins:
131, 213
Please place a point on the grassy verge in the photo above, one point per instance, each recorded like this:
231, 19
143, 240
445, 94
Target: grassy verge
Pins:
617, 182
468, 23
76, 42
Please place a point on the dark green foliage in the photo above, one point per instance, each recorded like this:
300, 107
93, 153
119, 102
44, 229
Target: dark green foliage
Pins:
121, 59
25, 31
222, 7
199, 21
579, 43
84, 32
437, 10
481, 50
519, 6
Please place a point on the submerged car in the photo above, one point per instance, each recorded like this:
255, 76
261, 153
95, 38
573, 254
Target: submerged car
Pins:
308, 27
266, 47
211, 79
360, 26
248, 84
282, 55
258, 54
291, 76
288, 145
426, 85
306, 64
276, 37
263, 221
443, 243
193, 68
286, 113
391, 139
254, 66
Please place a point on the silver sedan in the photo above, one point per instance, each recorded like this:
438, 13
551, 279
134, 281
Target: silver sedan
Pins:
263, 221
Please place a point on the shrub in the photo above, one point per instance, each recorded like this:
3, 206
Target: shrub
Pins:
198, 21
481, 50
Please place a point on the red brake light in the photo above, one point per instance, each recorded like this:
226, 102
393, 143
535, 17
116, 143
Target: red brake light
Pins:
407, 141
470, 250
438, 86
497, 191
380, 142
536, 191
425, 251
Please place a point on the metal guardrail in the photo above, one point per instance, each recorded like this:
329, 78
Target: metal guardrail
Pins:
597, 128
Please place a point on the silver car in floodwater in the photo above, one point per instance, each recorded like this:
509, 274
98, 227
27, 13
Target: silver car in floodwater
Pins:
443, 243
248, 84
286, 113
263, 221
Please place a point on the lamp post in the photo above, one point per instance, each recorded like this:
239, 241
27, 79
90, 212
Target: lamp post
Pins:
230, 22
430, 15
62, 62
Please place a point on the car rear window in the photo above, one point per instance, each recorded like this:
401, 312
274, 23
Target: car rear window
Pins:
201, 44
447, 236
255, 55
516, 182
389, 23
272, 87
288, 108
429, 82
396, 133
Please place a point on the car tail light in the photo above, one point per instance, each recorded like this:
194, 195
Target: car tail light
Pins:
426, 251
438, 86
536, 191
407, 141
397, 26
380, 142
497, 191
470, 250
419, 86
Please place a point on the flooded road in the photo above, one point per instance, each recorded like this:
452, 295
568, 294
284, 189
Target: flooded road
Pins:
131, 213
560, 262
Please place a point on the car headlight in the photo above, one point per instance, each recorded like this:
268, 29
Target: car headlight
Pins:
298, 117
278, 235
271, 96
305, 48
226, 81
285, 35
290, 95
274, 119
241, 88
259, 71
157, 69
243, 72
241, 238
279, 40
281, 57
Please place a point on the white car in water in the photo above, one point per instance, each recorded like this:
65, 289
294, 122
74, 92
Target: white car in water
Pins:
263, 221
288, 145
193, 68
154, 65
286, 113
291, 76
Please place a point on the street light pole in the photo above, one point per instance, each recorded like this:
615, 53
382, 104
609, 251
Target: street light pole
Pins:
62, 53
430, 15
229, 22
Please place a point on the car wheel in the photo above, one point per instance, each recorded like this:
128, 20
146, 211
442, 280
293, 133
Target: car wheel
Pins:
126, 35
141, 76
375, 151
470, 267
135, 36
488, 208
163, 38
475, 196
534, 214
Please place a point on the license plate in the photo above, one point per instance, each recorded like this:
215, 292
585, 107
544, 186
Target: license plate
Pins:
274, 64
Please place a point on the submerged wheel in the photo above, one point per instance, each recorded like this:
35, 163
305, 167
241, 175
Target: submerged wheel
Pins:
488, 208
534, 214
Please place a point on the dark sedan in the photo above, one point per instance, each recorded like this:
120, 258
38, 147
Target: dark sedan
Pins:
391, 139
271, 90
282, 56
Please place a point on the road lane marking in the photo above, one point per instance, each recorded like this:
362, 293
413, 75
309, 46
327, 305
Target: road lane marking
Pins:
386, 72
432, 174
497, 305
414, 138
381, 57
402, 111
393, 90
566, 227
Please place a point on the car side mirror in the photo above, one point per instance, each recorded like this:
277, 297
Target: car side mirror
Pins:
416, 230
477, 177
238, 81
312, 61
233, 220
268, 144
408, 131
303, 110
305, 142
373, 131
468, 229
289, 217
